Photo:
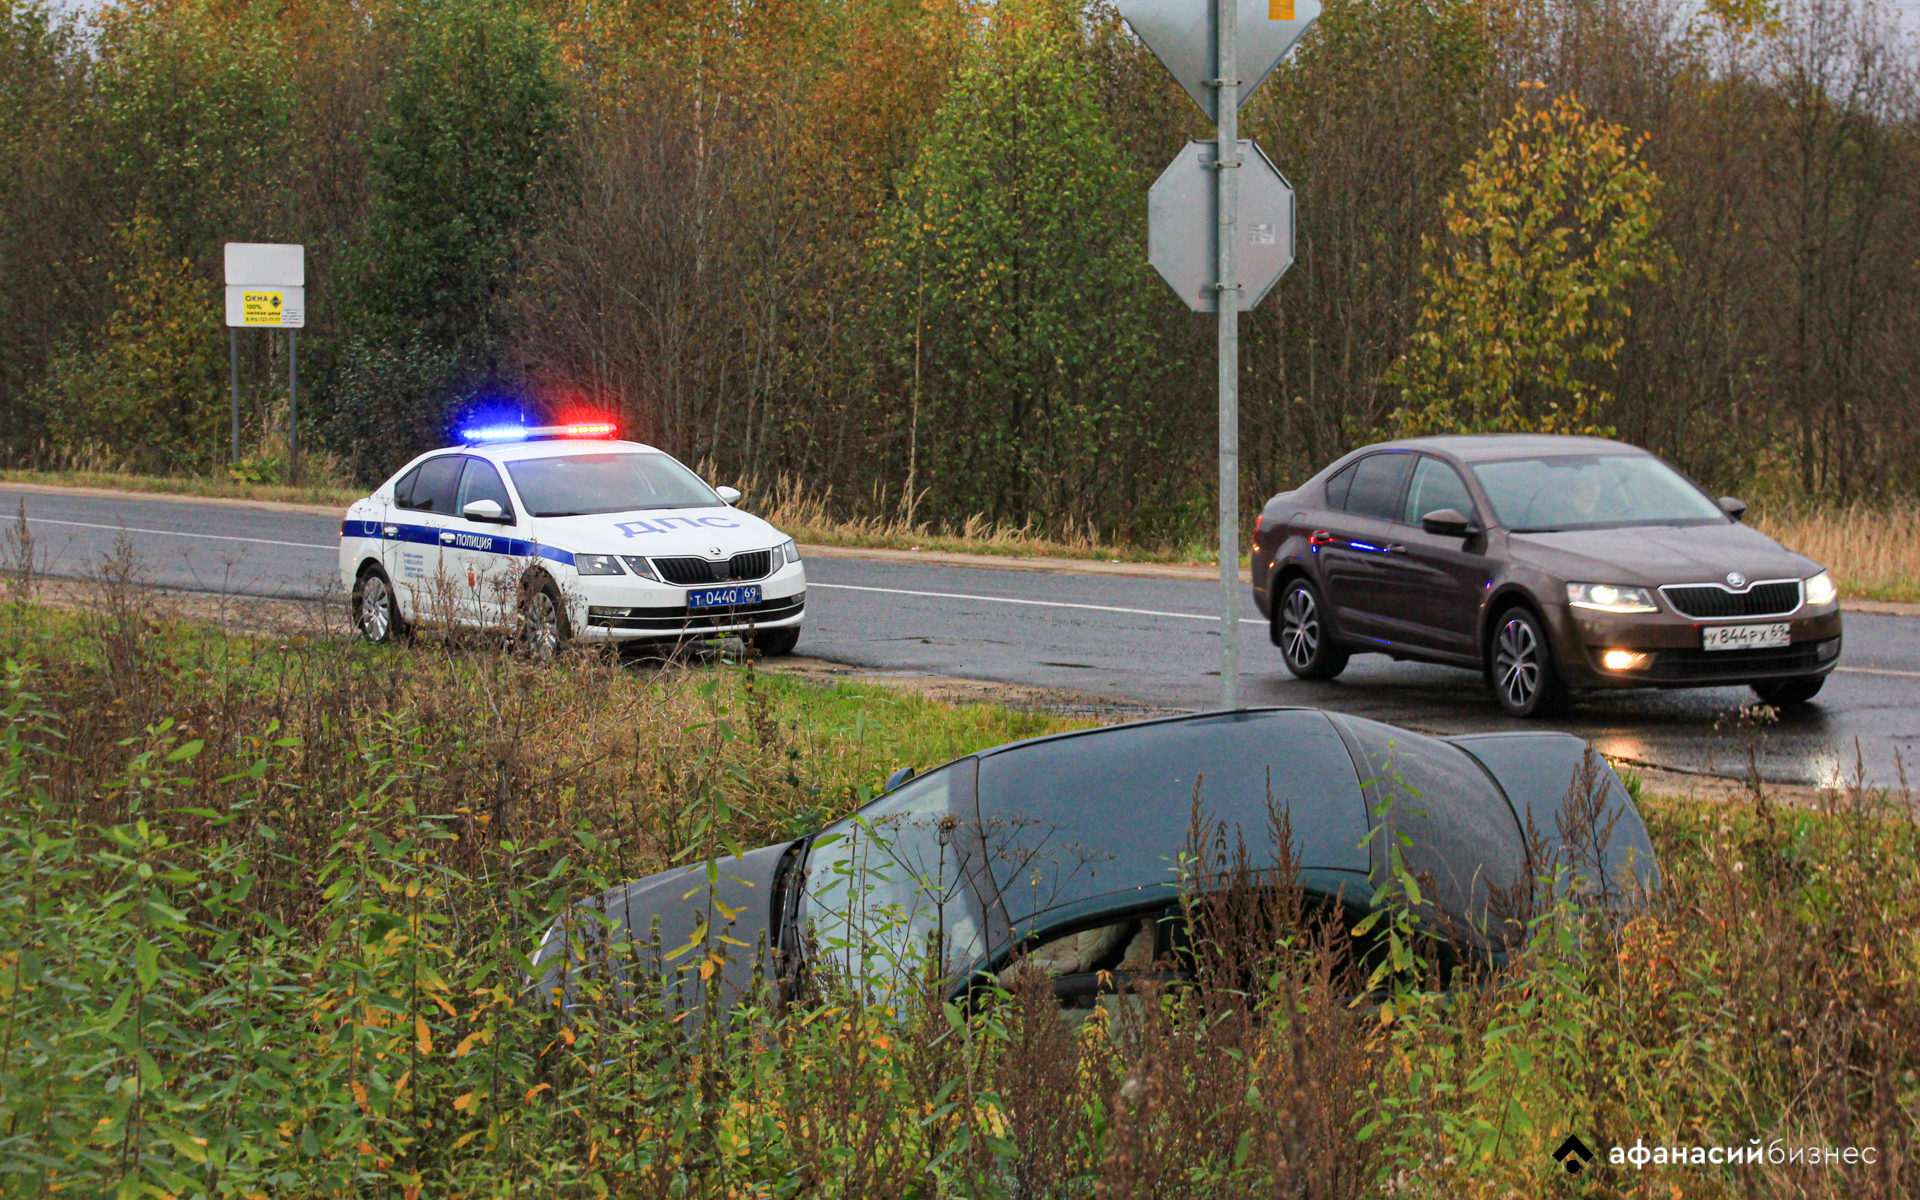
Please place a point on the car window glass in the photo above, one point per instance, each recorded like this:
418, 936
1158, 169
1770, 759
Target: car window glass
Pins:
884, 880
436, 484
482, 482
1377, 484
1069, 819
1435, 486
1585, 491
1337, 488
404, 488
576, 484
1463, 840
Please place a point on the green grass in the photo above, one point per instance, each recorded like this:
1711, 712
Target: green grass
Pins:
264, 905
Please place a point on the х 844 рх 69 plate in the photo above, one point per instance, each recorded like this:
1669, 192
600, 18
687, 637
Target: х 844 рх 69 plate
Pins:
1744, 637
724, 597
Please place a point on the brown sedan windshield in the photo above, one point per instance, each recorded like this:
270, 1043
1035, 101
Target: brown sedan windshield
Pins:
1591, 491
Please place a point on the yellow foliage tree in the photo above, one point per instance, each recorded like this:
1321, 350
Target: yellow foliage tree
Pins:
148, 396
1525, 290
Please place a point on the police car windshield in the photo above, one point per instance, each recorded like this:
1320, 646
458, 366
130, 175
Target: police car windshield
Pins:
575, 485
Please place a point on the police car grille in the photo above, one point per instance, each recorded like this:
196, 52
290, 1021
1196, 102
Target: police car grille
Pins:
752, 564
1712, 600
685, 570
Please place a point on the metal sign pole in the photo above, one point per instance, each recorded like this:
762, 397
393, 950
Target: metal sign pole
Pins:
293, 407
233, 371
1226, 160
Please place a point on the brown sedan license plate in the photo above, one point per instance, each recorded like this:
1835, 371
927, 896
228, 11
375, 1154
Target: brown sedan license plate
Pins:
1744, 637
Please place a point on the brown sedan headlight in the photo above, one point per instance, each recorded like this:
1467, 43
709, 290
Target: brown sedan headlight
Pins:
1610, 597
1820, 590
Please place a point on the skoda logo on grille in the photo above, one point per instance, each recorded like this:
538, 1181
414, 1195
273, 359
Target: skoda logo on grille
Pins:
1736, 580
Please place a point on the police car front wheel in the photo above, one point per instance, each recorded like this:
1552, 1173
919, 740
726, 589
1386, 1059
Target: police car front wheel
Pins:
543, 621
375, 610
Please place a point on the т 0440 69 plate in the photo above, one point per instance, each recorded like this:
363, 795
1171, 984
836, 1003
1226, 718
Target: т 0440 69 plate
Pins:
724, 597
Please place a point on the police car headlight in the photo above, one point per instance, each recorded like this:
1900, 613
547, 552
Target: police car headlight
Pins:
639, 566
786, 552
597, 564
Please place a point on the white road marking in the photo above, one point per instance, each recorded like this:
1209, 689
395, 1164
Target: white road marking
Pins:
1135, 612
1875, 671
218, 537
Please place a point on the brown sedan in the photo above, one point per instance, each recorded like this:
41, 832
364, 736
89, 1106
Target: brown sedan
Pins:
1554, 565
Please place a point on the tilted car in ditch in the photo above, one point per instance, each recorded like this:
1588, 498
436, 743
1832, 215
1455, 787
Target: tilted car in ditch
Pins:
1067, 850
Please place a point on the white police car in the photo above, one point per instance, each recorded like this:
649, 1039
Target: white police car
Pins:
567, 534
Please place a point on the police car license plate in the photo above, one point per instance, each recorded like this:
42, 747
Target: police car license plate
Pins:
724, 597
1743, 637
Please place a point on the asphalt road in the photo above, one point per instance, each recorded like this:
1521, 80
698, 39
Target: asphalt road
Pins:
1146, 641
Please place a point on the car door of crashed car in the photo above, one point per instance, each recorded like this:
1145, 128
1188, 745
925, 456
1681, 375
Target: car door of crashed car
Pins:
900, 875
1087, 824
1464, 843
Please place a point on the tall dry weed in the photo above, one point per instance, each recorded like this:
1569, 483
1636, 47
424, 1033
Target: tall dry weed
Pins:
1873, 550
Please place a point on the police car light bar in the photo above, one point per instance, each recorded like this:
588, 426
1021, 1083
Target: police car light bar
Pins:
527, 433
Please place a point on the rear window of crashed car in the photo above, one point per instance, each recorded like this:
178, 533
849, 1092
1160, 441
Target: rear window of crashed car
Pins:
1060, 846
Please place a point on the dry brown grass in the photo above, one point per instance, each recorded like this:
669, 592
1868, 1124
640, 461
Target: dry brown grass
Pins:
1873, 551
806, 512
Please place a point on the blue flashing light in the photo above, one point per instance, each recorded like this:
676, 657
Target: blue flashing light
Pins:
495, 433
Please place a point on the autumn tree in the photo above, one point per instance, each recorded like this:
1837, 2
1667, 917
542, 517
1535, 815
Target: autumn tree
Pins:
475, 118
1015, 282
1526, 289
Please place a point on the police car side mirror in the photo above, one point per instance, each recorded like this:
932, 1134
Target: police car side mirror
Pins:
484, 510
730, 494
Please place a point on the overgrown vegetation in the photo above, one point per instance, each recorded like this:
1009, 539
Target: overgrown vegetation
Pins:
266, 905
895, 246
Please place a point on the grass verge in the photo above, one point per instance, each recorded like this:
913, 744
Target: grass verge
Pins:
265, 905
189, 485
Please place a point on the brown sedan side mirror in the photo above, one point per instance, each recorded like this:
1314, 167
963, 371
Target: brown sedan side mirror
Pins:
1449, 522
1732, 507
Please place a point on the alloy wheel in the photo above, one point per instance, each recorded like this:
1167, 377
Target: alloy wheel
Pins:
542, 632
376, 614
1300, 628
1516, 663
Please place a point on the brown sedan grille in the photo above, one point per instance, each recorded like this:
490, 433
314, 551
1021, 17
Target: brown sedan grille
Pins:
1711, 600
687, 572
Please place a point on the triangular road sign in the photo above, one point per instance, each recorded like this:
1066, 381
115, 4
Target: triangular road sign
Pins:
1180, 33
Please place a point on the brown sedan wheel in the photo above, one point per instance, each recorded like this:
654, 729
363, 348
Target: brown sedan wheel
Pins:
1524, 681
1300, 630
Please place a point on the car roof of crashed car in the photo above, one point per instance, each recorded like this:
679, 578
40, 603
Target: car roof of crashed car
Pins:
1175, 719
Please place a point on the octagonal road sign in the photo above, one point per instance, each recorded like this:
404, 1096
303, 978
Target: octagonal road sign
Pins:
1180, 33
1181, 226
